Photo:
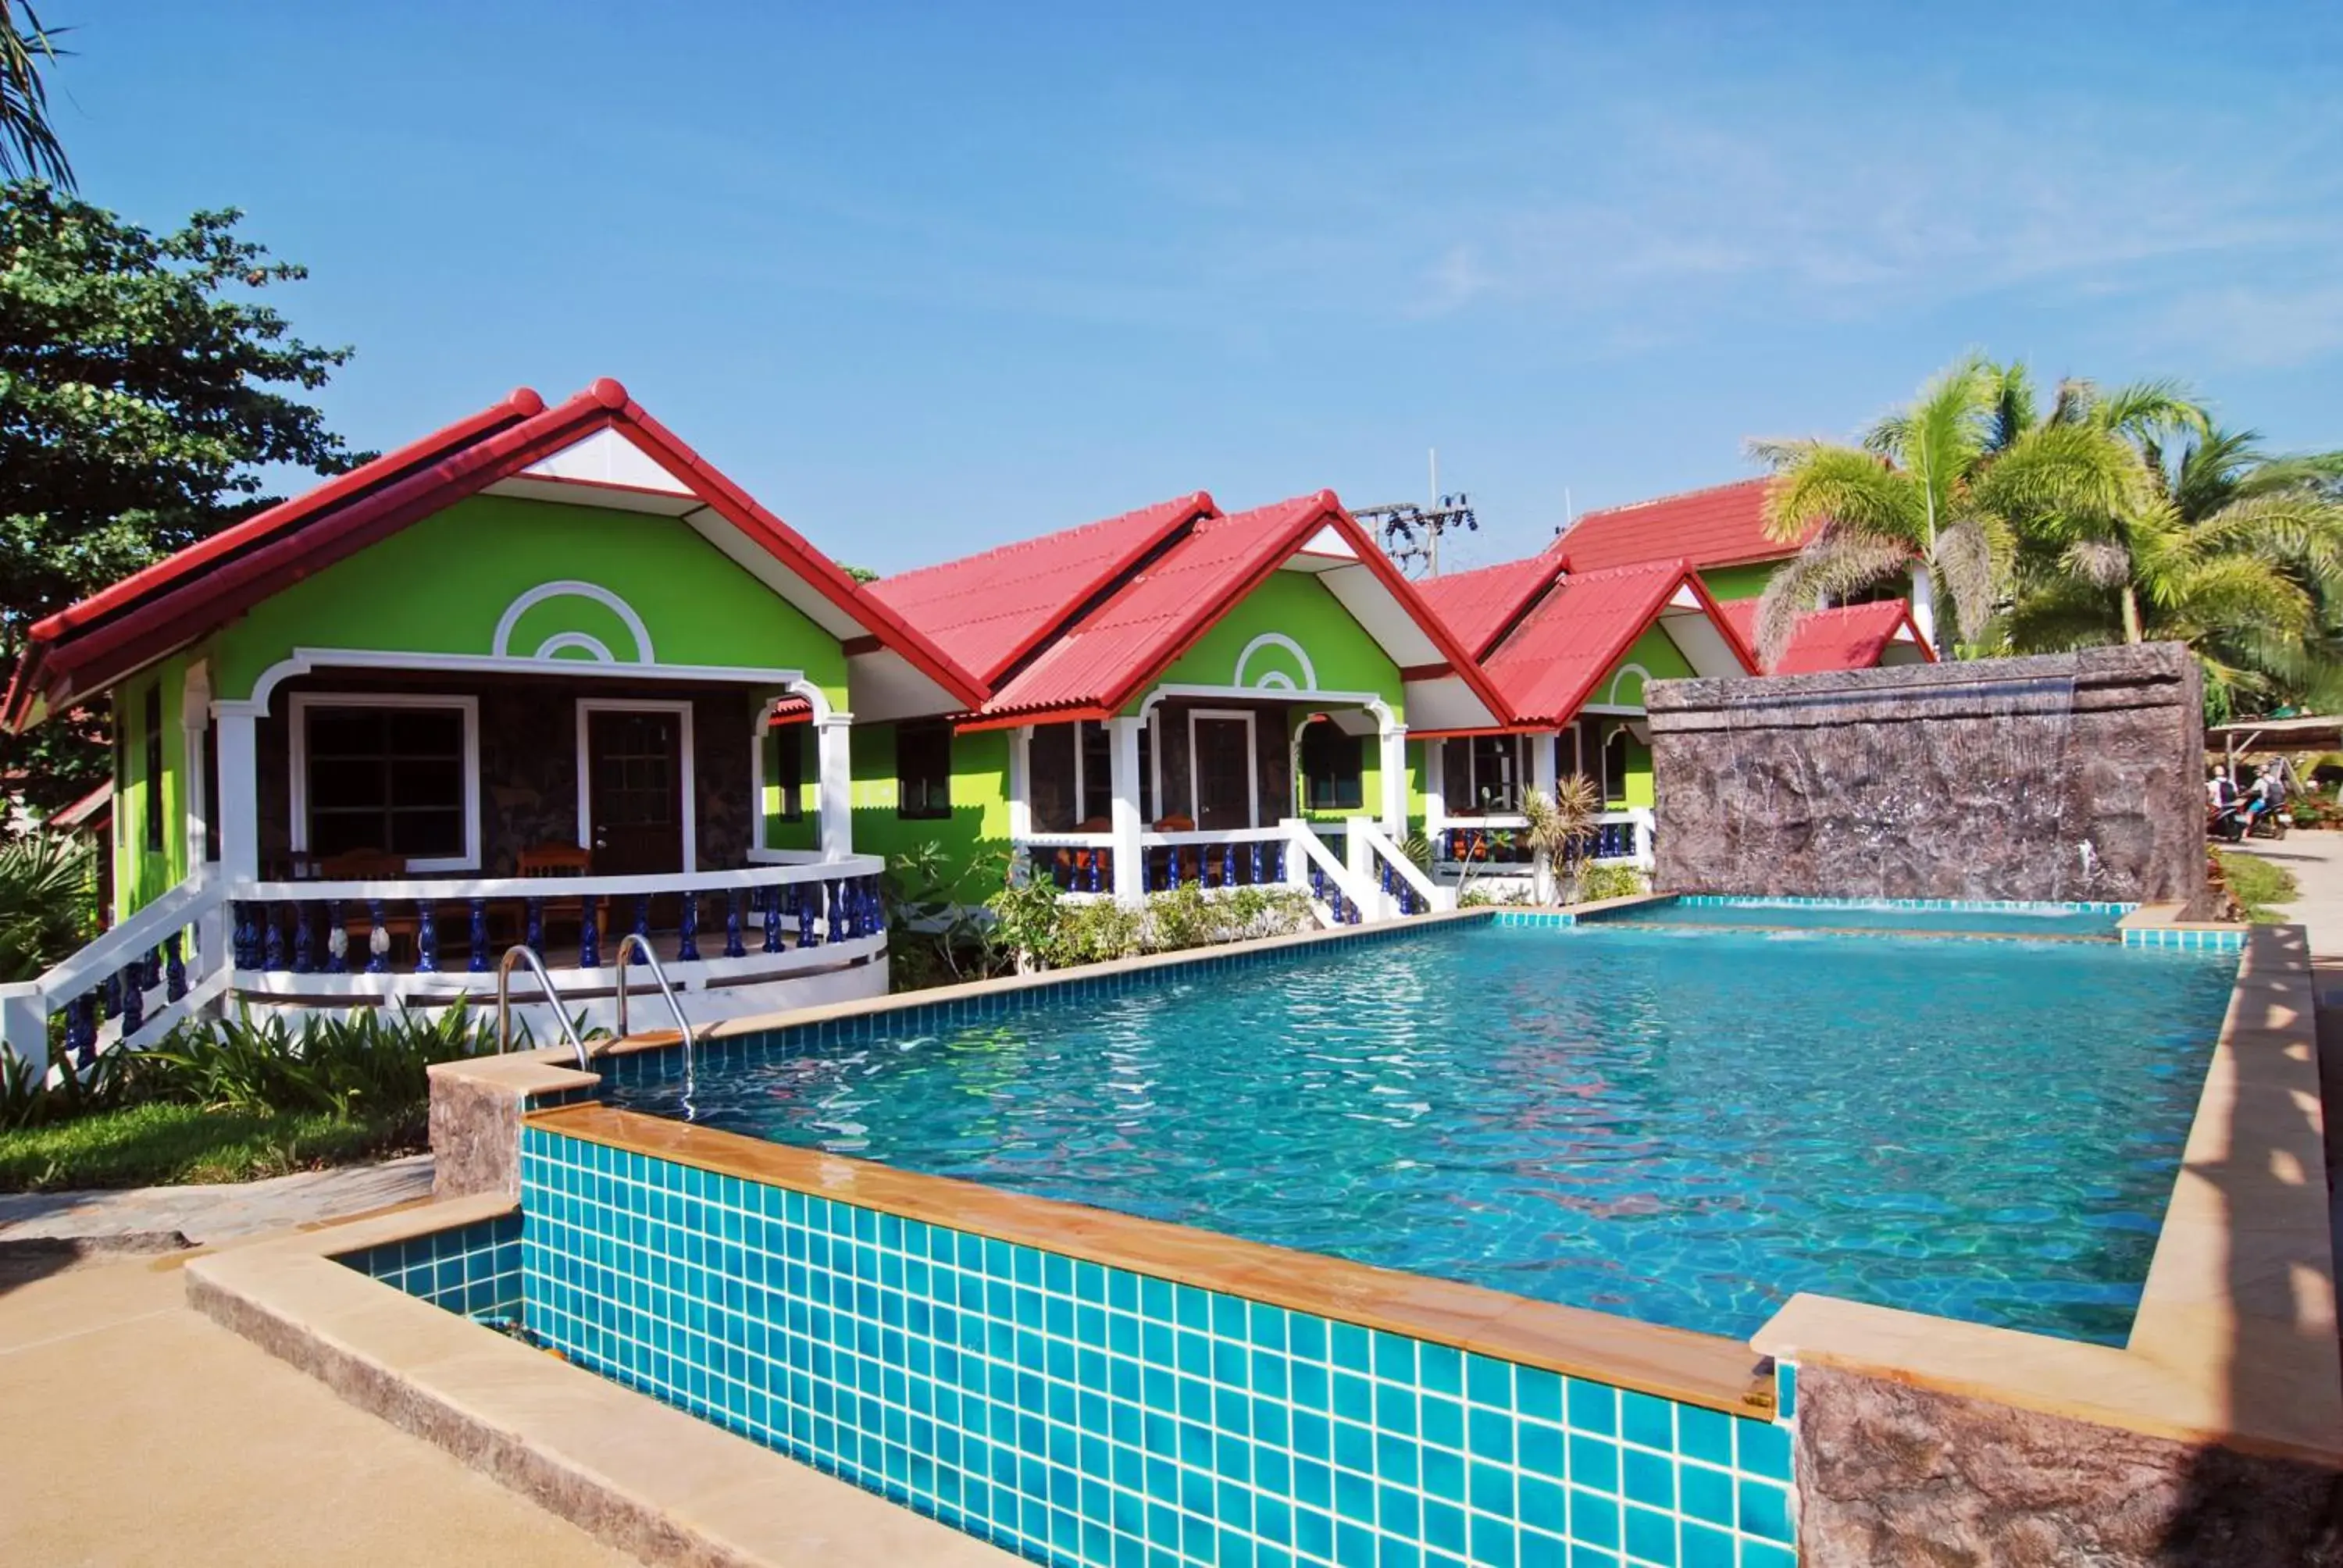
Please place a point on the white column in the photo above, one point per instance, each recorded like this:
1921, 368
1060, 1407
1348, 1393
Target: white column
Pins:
1021, 782
239, 796
834, 764
1435, 788
1924, 605
195, 718
1542, 769
1122, 778
1394, 772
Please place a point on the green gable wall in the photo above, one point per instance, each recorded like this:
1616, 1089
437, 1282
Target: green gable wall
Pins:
440, 586
1656, 655
1745, 581
1294, 604
143, 873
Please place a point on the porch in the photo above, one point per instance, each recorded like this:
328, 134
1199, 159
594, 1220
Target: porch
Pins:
1474, 785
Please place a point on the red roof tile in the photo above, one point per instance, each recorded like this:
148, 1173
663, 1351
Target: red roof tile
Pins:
1851, 636
990, 610
1548, 666
1719, 526
1478, 606
85, 647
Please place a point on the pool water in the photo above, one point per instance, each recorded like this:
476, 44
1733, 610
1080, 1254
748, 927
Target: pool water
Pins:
1683, 1126
1876, 915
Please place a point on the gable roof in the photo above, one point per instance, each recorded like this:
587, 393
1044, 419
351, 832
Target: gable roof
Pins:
1851, 637
991, 609
599, 445
1548, 665
1482, 605
1721, 525
1090, 617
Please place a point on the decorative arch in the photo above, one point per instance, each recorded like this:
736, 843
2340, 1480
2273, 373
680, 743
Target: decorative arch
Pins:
1276, 680
500, 646
1642, 679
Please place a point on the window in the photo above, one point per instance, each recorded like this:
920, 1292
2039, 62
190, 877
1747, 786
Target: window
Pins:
153, 781
391, 776
1331, 768
1614, 764
923, 771
1093, 772
788, 778
1481, 775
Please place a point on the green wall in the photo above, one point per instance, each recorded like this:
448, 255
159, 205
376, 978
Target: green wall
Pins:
1294, 604
978, 827
1738, 582
441, 585
141, 874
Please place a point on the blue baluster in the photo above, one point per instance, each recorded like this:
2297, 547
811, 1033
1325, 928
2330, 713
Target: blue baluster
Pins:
377, 939
274, 939
1256, 863
243, 941
772, 912
1092, 866
151, 970
533, 925
479, 937
732, 946
1229, 866
1175, 867
642, 924
426, 939
81, 1028
806, 896
305, 943
337, 940
174, 968
832, 898
133, 998
687, 930
589, 931
1277, 854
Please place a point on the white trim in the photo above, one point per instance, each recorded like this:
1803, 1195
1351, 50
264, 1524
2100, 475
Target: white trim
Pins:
302, 660
194, 723
1615, 705
587, 706
1276, 680
571, 587
297, 720
1021, 779
559, 640
1386, 720
1253, 763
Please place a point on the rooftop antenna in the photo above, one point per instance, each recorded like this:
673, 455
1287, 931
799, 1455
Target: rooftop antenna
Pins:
1409, 534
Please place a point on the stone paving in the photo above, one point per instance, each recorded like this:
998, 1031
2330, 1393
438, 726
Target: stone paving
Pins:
208, 1215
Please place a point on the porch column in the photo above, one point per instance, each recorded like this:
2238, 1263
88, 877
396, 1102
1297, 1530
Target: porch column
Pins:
1542, 769
194, 718
1435, 786
239, 795
835, 766
1123, 778
1395, 771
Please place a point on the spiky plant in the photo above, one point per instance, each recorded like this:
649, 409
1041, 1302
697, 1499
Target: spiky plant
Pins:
1560, 828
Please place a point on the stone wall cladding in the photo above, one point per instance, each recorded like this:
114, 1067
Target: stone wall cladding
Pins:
2059, 777
1892, 1473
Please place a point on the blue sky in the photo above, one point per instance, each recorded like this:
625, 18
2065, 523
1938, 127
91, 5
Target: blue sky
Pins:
925, 283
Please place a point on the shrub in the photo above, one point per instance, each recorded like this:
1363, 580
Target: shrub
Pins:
1611, 882
1031, 919
49, 901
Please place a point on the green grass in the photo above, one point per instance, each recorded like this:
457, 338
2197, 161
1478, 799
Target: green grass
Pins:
2258, 884
158, 1143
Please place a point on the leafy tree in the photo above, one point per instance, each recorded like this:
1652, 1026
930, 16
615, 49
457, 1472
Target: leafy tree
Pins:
1939, 494
2232, 551
29, 144
860, 574
140, 394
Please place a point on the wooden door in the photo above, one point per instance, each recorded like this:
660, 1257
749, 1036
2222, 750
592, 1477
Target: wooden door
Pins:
1221, 755
634, 771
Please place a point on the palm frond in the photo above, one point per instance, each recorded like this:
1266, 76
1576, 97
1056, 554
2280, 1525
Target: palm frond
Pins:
28, 143
2102, 563
1850, 489
2150, 410
1838, 562
1969, 563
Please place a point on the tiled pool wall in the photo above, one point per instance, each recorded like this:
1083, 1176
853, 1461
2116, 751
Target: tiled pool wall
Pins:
2200, 939
1084, 1414
1956, 906
473, 1271
991, 1001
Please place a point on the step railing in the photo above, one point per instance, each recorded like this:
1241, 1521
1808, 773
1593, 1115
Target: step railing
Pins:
1399, 885
1342, 898
127, 987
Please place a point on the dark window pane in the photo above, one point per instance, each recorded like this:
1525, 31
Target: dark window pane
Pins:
1333, 768
345, 731
387, 778
426, 731
430, 834
340, 786
923, 771
426, 783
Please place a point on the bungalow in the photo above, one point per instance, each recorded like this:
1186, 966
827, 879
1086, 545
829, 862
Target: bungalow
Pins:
518, 682
1569, 653
1177, 694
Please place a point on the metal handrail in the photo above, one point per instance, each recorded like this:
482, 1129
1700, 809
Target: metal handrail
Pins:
522, 953
642, 944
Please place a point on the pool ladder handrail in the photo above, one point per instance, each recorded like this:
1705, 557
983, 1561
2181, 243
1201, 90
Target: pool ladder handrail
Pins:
642, 944
521, 952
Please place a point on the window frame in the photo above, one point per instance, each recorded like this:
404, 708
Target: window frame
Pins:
929, 810
297, 713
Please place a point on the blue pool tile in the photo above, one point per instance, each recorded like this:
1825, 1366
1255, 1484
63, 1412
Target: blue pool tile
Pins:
1651, 1537
1762, 1450
1707, 1494
1592, 1407
1705, 1434
1764, 1511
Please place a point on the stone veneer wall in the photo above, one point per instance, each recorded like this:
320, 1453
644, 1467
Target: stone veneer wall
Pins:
2059, 777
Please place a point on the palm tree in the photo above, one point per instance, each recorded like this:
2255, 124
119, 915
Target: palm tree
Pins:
1560, 826
1939, 494
29, 144
2236, 553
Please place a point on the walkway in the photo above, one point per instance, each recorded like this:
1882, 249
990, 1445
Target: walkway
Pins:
209, 1215
147, 1435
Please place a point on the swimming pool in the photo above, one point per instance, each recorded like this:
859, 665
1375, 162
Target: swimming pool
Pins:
1940, 916
1684, 1126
